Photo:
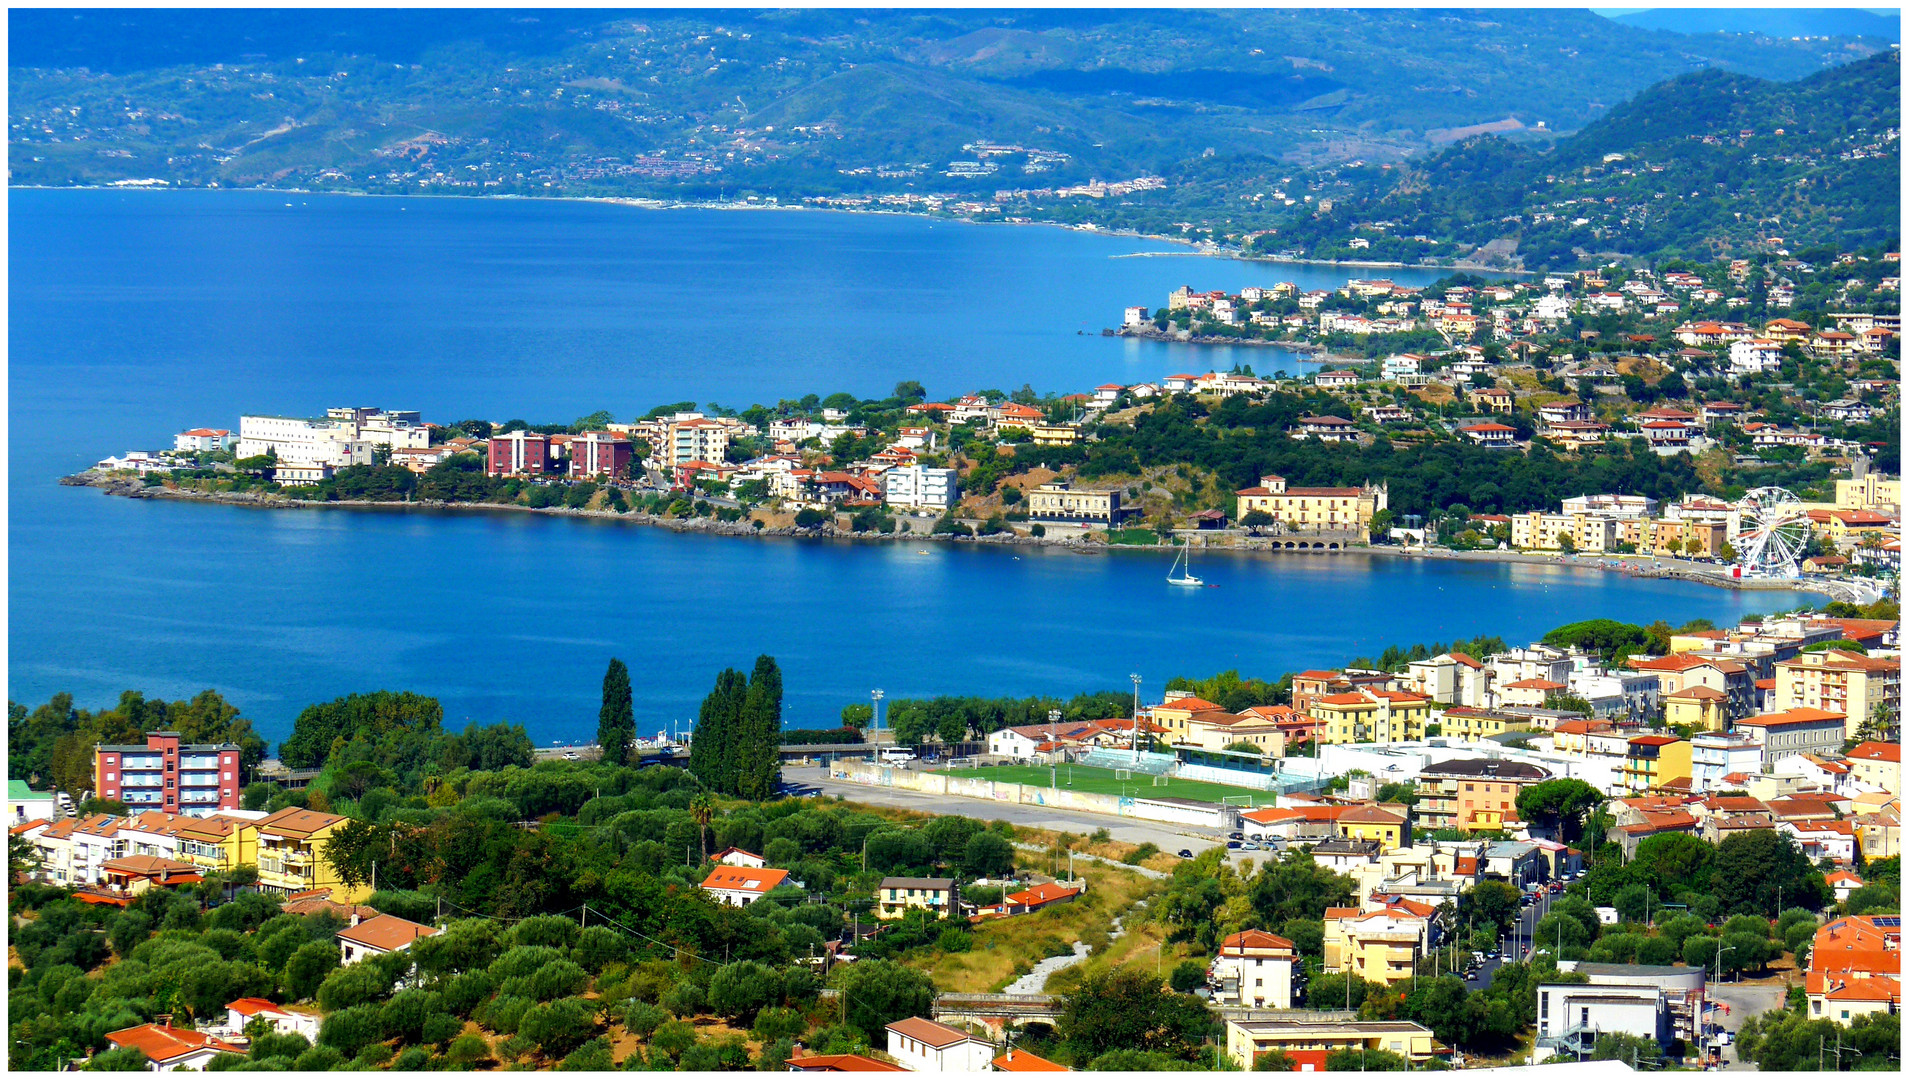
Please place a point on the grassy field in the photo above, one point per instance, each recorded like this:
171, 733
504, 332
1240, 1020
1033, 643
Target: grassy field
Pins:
1103, 782
1006, 949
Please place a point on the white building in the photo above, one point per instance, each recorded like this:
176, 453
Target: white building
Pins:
738, 857
1611, 506
1402, 364
1754, 357
25, 804
1135, 316
922, 1045
204, 440
378, 936
1717, 754
740, 886
916, 485
303, 441
1254, 969
285, 1019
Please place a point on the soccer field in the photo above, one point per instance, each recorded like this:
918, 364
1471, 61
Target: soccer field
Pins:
1104, 782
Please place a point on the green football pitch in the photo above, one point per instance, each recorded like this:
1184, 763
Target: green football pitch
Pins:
1105, 782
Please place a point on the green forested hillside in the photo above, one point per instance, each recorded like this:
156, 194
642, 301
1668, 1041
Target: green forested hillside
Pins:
1238, 114
1706, 164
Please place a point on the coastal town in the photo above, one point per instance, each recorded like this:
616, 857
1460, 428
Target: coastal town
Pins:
1775, 438
1673, 842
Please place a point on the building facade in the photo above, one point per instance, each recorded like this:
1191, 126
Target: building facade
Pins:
1313, 509
168, 774
1059, 501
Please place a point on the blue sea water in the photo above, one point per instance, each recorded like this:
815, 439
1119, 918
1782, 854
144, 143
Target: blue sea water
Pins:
134, 315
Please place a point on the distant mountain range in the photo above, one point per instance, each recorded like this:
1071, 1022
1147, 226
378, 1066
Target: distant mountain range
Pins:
1773, 22
1706, 164
1237, 111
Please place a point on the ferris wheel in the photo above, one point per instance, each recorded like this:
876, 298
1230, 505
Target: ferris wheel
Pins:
1772, 531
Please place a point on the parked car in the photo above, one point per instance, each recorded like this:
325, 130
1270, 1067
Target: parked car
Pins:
1185, 854
1236, 836
1249, 846
1233, 844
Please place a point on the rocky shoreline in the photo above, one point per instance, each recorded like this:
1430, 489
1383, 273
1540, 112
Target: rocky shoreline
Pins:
135, 488
1148, 333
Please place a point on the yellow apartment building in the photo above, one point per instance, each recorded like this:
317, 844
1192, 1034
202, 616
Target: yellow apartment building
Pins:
1698, 708
1372, 716
1653, 761
219, 843
1843, 682
291, 855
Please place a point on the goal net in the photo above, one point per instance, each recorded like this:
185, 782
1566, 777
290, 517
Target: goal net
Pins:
1238, 800
1123, 774
1160, 781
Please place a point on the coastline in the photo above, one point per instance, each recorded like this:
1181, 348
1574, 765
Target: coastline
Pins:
643, 203
1311, 351
126, 487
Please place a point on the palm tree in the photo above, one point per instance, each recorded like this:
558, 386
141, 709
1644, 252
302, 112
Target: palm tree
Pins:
702, 808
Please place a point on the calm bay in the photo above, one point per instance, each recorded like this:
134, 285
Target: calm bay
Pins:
134, 315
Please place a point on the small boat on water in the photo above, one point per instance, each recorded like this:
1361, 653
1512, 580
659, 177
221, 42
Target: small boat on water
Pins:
1184, 566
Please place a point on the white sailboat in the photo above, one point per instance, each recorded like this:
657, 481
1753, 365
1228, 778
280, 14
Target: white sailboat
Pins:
1184, 565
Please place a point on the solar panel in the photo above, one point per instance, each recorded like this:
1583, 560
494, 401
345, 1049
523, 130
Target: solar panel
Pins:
1889, 920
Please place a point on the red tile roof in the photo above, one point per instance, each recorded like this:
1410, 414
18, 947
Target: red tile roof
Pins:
744, 879
933, 1034
387, 933
162, 1043
839, 1063
1877, 751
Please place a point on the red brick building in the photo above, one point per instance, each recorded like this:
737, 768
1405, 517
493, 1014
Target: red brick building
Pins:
165, 774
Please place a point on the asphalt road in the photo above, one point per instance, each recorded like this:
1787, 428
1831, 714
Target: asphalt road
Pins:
1745, 1000
1515, 945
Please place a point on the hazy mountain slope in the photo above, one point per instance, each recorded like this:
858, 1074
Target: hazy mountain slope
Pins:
1775, 22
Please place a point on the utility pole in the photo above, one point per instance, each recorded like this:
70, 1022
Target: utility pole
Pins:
876, 719
1053, 747
1134, 741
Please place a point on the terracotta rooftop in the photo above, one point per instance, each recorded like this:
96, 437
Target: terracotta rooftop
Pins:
387, 933
929, 1032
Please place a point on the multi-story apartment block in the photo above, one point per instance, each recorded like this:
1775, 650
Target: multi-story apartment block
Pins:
1654, 761
1449, 679
1698, 708
1254, 969
1473, 793
1378, 716
1717, 754
1312, 509
1380, 946
1795, 731
917, 486
219, 843
1844, 682
683, 438
519, 453
292, 845
596, 454
165, 774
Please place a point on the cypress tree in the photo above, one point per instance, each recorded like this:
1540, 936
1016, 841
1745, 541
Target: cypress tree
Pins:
706, 743
763, 727
727, 704
616, 722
